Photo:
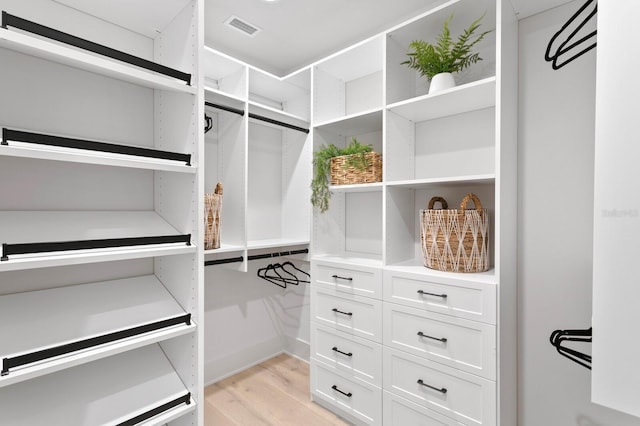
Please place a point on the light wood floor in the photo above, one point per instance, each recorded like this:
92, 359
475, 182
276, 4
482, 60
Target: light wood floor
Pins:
275, 392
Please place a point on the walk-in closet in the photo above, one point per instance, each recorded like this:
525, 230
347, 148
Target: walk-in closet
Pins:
281, 212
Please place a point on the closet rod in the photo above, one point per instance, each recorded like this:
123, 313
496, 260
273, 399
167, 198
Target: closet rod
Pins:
255, 257
9, 20
31, 248
29, 358
225, 108
184, 399
279, 123
41, 139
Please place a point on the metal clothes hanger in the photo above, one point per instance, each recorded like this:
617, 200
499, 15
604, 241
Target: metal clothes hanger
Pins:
288, 263
565, 47
560, 336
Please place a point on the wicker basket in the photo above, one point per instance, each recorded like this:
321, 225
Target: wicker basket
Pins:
212, 207
455, 240
341, 174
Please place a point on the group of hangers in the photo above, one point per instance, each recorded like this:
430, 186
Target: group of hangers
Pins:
280, 275
558, 337
558, 49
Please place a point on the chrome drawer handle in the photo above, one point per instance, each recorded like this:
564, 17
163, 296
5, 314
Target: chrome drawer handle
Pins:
335, 388
441, 390
424, 293
338, 277
335, 349
441, 339
341, 312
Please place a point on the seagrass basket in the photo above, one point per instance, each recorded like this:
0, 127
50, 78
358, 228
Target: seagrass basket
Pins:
343, 174
212, 208
455, 240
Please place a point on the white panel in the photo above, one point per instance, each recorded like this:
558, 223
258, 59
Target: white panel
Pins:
400, 147
400, 225
364, 93
616, 378
178, 44
399, 411
296, 178
363, 230
329, 96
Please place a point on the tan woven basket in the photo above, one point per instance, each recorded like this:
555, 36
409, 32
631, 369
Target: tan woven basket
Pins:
455, 240
341, 174
212, 208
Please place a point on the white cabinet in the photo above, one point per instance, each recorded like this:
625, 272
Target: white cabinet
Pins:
101, 269
446, 144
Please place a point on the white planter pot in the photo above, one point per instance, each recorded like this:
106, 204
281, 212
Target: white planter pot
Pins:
442, 81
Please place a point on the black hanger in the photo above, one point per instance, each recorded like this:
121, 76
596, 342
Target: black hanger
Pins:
277, 279
262, 273
560, 336
287, 263
565, 47
208, 123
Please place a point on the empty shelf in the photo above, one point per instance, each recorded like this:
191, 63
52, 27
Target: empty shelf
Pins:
52, 238
70, 325
125, 389
19, 143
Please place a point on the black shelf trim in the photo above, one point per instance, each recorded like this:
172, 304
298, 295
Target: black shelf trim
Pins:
184, 399
277, 122
9, 20
20, 360
223, 261
32, 248
42, 139
225, 108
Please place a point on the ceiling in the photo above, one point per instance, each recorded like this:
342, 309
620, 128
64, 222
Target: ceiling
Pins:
296, 33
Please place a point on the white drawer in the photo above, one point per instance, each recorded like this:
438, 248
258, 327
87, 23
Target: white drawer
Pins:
354, 279
359, 400
360, 316
461, 298
360, 358
467, 345
398, 411
464, 397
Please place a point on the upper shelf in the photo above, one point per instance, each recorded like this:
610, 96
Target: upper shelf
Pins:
355, 124
71, 325
55, 52
457, 100
135, 387
33, 239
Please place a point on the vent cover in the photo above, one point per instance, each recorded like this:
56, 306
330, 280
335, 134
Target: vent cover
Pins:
243, 26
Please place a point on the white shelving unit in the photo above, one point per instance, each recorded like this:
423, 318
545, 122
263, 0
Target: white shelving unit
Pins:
100, 209
366, 249
261, 153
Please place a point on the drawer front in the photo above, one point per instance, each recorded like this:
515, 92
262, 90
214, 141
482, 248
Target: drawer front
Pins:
399, 411
353, 279
360, 358
464, 299
464, 397
360, 400
466, 345
360, 316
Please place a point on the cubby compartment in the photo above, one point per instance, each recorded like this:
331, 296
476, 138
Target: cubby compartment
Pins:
288, 96
405, 83
403, 205
349, 82
278, 213
457, 147
224, 75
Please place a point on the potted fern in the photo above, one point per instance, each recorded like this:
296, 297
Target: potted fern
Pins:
439, 61
355, 163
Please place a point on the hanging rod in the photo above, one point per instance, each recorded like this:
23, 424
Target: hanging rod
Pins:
255, 257
31, 357
42, 139
225, 108
9, 20
184, 399
31, 248
279, 123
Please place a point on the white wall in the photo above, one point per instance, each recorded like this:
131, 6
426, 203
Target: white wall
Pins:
556, 154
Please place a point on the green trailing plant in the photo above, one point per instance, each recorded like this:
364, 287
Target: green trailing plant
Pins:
320, 194
446, 55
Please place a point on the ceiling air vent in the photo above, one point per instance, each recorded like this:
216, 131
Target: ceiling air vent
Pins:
243, 26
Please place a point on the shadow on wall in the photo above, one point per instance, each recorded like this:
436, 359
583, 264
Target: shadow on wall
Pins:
583, 420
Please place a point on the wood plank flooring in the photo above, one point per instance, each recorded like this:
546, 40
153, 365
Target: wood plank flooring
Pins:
275, 392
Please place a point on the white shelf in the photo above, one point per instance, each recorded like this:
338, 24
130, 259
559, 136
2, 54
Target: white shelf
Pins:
276, 114
224, 248
273, 243
354, 124
457, 100
359, 187
52, 153
90, 62
223, 98
350, 258
415, 267
66, 315
105, 392
18, 227
453, 180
